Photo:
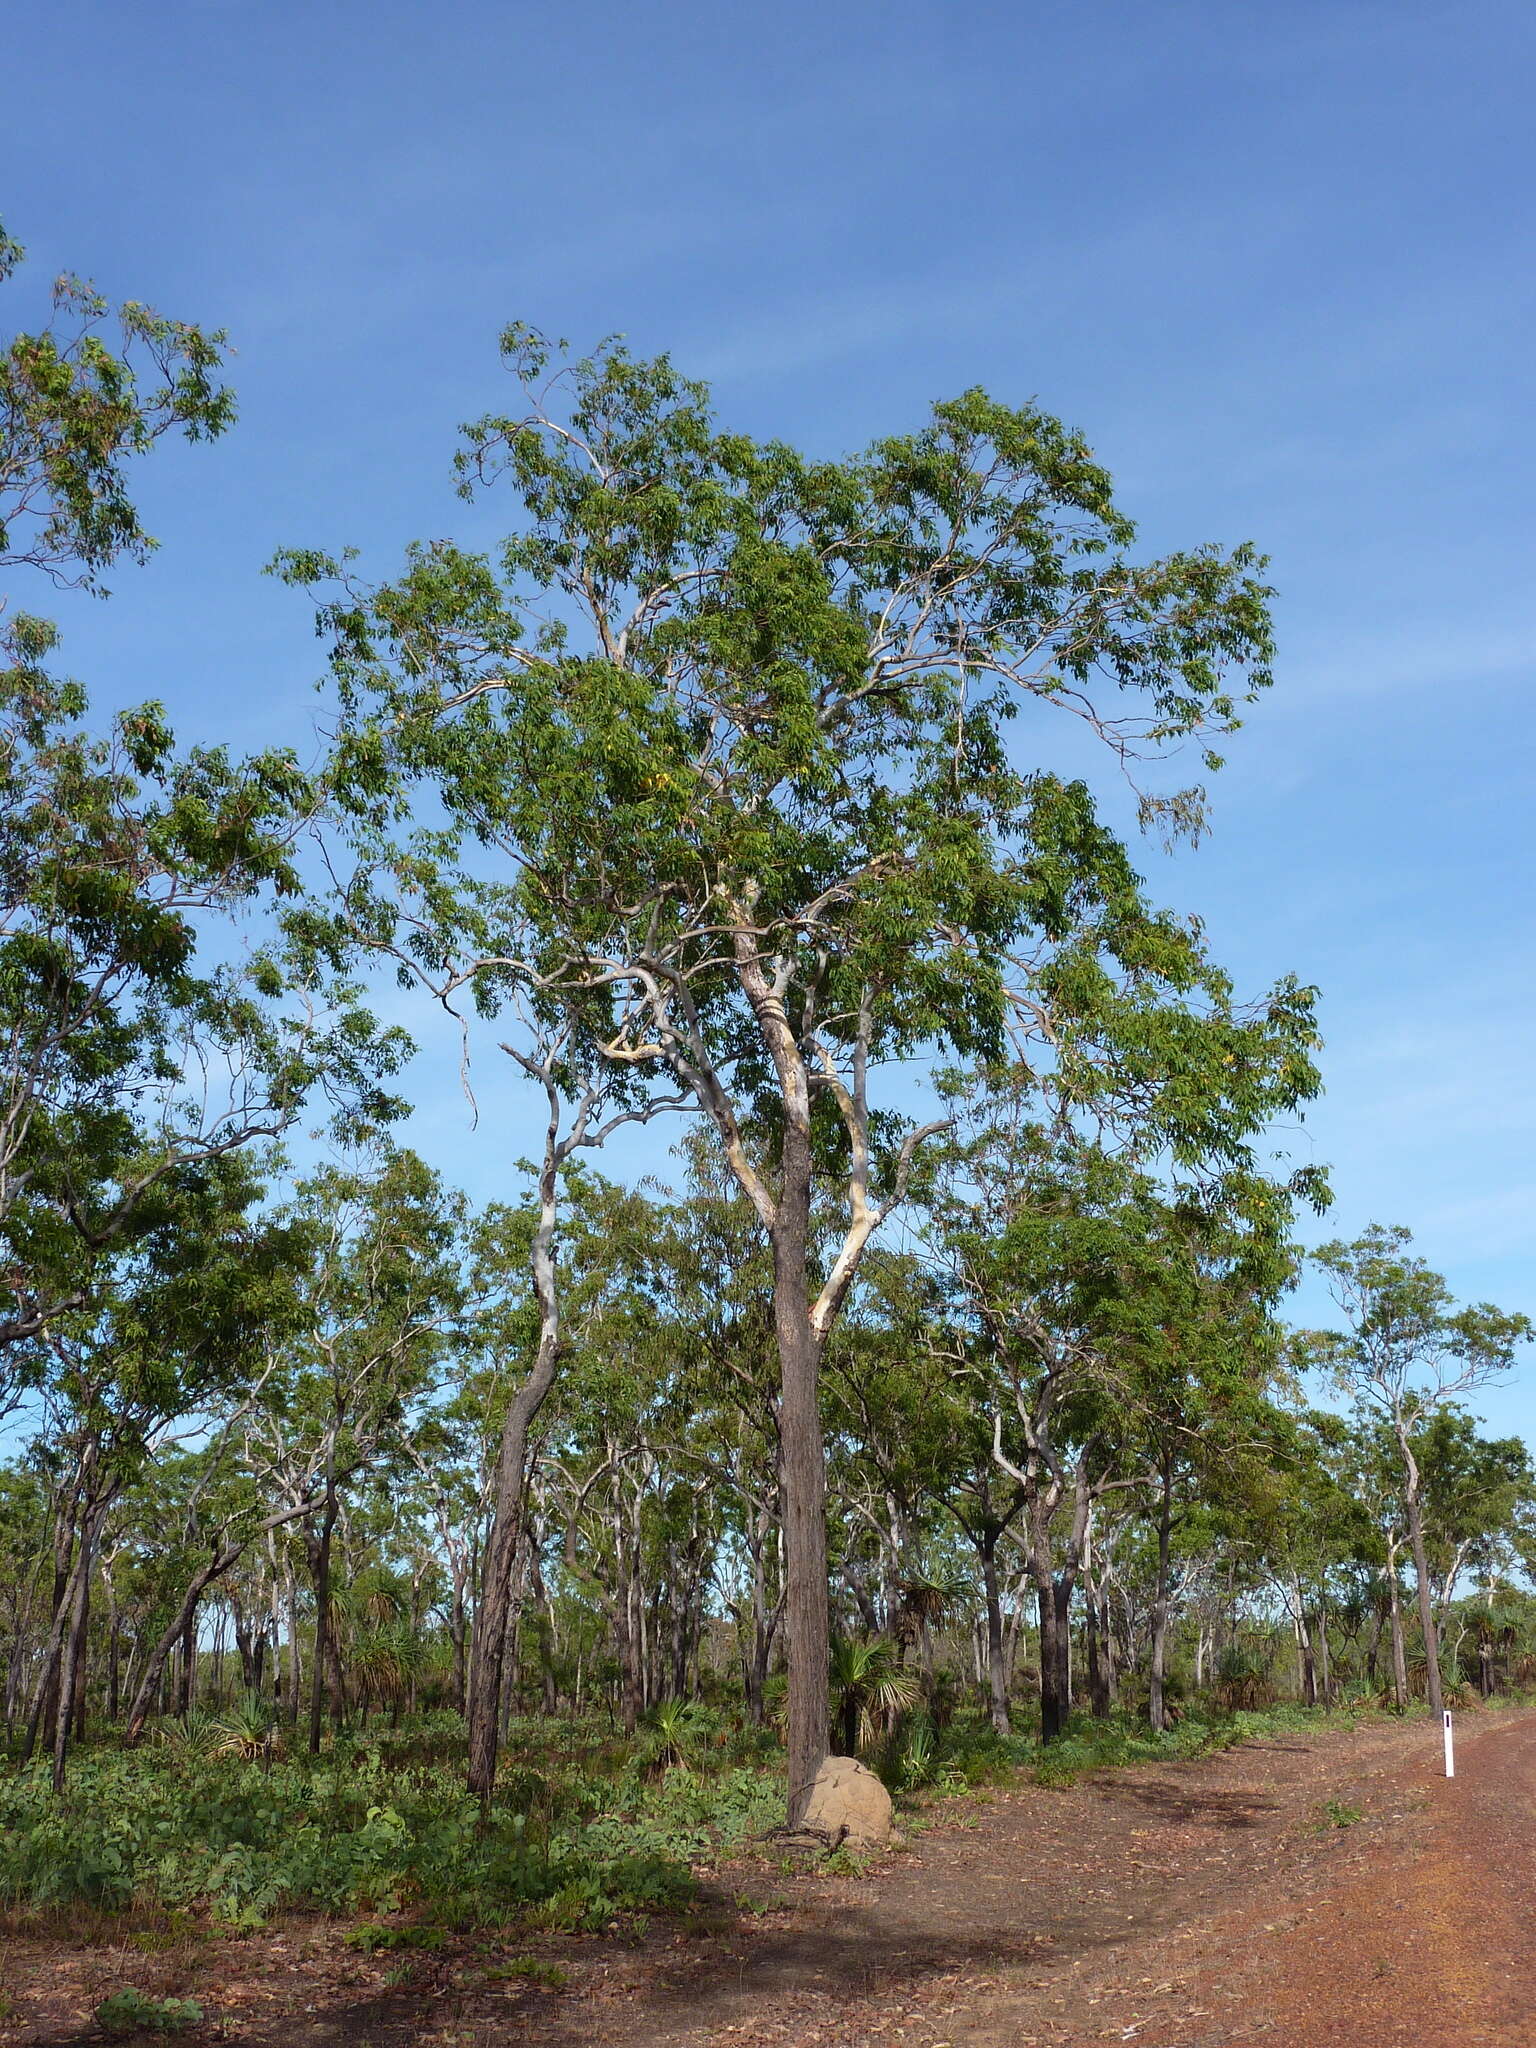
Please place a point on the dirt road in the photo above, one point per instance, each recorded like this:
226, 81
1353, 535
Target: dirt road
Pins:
1208, 1905
1218, 1904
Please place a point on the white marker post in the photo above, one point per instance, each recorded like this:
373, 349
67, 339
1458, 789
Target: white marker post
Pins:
1450, 1753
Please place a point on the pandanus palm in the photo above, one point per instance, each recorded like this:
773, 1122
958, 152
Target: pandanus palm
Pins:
867, 1681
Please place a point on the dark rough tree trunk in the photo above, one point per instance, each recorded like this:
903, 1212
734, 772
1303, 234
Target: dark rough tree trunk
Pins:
1373, 1648
72, 1659
997, 1659
45, 1704
1097, 1651
1063, 1598
184, 1697
1052, 1706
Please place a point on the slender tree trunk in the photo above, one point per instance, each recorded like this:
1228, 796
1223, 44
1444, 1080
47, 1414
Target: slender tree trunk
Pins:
295, 1647
245, 1649
1061, 1595
627, 1649
804, 1473
274, 1598
458, 1635
114, 1646
543, 1623
1306, 1664
1424, 1590
1107, 1650
72, 1665
1399, 1655
1098, 1651
1373, 1649
45, 1707
322, 1578
80, 1645
188, 1664
493, 1611
997, 1664
765, 1627
1157, 1704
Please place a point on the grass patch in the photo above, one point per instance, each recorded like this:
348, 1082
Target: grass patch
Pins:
1090, 1745
1338, 1813
371, 1937
529, 1970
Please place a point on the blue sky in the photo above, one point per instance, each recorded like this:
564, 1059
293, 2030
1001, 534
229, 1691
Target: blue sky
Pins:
1277, 263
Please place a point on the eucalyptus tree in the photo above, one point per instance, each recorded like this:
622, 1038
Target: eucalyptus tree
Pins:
196, 1517
1475, 1503
1193, 1314
463, 951
1110, 1266
1479, 1496
378, 1302
713, 1282
720, 740
892, 1437
78, 402
1310, 1514
1407, 1354
24, 1516
124, 1057
174, 1321
625, 1446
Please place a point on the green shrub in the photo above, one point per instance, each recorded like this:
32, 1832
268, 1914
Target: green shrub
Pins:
359, 1831
133, 2012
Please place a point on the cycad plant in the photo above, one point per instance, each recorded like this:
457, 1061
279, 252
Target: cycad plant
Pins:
867, 1683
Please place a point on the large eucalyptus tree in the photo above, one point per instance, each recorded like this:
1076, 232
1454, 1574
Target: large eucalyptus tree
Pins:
740, 760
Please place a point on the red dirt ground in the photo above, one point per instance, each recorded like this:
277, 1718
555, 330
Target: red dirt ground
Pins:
1204, 1905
